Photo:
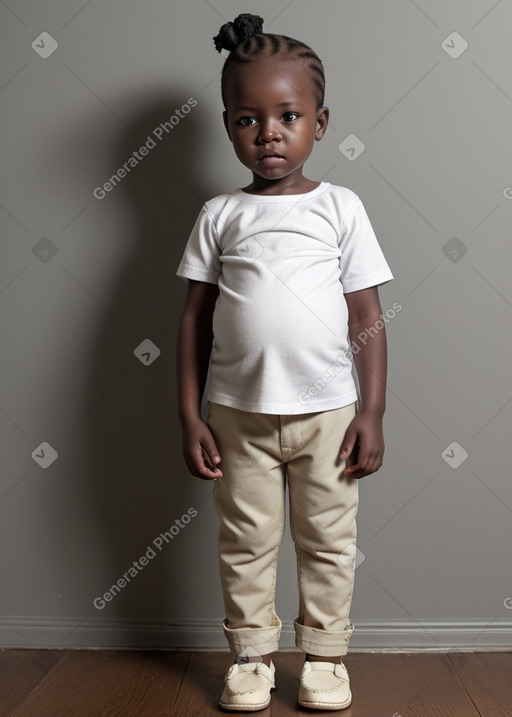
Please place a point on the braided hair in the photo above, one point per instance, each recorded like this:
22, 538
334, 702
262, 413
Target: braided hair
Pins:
245, 39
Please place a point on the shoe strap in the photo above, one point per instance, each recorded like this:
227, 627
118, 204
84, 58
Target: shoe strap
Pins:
258, 667
336, 668
325, 666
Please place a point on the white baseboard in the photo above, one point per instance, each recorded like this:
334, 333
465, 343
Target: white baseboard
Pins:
369, 635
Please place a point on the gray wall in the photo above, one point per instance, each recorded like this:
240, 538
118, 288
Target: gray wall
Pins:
86, 280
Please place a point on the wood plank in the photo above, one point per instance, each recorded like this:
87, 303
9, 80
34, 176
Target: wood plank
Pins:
412, 685
487, 677
21, 671
107, 683
284, 698
203, 684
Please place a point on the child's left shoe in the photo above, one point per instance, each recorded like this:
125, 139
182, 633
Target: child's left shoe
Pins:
324, 686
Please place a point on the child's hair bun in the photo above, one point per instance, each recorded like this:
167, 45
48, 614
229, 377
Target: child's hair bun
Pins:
233, 33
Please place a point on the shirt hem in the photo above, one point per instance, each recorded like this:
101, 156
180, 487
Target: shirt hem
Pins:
365, 282
283, 409
191, 272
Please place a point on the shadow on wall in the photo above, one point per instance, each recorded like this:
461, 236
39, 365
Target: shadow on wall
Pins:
148, 546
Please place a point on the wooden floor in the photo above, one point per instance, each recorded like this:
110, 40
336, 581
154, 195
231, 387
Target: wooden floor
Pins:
120, 683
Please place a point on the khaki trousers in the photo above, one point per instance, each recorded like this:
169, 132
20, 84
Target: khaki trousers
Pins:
259, 452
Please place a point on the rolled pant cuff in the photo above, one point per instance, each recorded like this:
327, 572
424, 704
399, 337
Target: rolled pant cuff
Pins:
323, 642
251, 641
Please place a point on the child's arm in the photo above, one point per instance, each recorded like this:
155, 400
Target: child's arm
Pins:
371, 364
194, 348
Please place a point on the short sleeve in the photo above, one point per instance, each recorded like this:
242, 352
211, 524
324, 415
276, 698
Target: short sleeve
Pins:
362, 262
200, 260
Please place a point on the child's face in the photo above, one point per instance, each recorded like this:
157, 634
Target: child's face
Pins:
271, 110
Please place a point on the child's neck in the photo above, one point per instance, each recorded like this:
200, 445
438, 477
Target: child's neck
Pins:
286, 185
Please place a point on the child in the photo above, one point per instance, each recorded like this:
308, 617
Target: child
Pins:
282, 274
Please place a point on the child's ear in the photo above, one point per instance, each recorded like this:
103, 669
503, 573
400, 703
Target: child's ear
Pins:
226, 125
322, 120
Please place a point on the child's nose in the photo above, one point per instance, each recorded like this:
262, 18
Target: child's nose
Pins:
269, 131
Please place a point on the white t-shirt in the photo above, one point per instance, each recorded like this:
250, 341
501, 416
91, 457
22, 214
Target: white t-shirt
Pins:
283, 264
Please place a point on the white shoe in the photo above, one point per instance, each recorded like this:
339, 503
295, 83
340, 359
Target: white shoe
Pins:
248, 686
324, 686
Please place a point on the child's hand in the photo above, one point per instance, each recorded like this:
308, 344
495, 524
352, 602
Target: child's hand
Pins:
363, 445
200, 451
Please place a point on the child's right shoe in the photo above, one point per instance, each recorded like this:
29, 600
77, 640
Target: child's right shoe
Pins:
248, 686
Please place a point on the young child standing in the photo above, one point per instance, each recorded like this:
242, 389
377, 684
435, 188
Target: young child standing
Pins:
283, 277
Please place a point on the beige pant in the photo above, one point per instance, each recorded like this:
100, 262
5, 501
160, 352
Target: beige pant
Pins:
259, 451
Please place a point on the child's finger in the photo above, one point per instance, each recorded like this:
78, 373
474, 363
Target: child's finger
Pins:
211, 454
363, 458
204, 466
360, 470
357, 465
211, 459
201, 465
355, 468
348, 444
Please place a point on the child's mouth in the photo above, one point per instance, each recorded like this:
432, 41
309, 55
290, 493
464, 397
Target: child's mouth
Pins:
271, 160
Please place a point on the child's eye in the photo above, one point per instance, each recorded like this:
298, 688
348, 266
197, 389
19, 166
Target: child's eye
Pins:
290, 116
246, 121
